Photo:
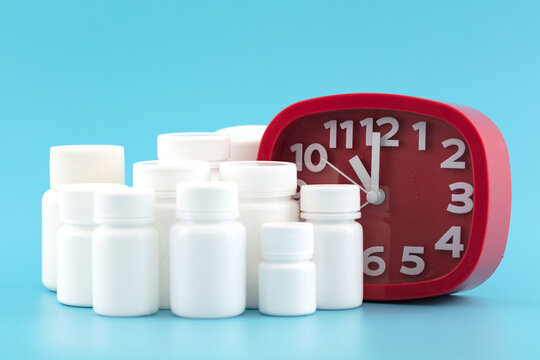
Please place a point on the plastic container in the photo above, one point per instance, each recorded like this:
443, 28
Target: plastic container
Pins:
287, 279
333, 210
163, 176
74, 243
245, 140
125, 253
208, 252
73, 164
207, 146
265, 190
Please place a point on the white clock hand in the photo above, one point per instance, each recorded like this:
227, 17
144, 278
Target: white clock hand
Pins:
342, 173
375, 195
360, 171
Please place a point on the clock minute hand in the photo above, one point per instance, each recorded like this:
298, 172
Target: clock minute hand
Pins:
375, 161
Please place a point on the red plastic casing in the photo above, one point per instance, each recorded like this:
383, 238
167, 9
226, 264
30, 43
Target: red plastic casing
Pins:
491, 170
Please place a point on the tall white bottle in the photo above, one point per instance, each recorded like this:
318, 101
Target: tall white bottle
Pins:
208, 252
338, 257
206, 146
265, 189
74, 243
163, 176
73, 164
125, 253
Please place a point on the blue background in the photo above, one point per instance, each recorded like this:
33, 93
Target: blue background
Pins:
123, 72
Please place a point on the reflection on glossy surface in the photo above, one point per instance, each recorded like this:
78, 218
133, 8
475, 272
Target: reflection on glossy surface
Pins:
448, 326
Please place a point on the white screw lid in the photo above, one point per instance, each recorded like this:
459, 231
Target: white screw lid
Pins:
194, 146
164, 175
261, 178
287, 240
330, 199
124, 206
76, 205
74, 164
206, 200
245, 140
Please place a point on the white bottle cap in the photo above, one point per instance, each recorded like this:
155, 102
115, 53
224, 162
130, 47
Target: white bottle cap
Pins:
287, 241
75, 164
260, 178
194, 146
76, 205
164, 175
245, 140
124, 206
206, 200
330, 199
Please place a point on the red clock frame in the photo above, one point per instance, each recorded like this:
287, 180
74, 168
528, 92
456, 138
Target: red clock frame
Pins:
491, 171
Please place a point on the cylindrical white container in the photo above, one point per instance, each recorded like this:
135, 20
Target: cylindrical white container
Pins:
245, 140
73, 164
208, 252
74, 243
163, 176
333, 209
207, 146
265, 190
125, 253
287, 279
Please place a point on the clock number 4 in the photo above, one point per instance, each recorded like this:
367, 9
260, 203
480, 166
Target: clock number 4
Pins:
451, 241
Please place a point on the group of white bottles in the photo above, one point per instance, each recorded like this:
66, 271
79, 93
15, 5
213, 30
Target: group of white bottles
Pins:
204, 249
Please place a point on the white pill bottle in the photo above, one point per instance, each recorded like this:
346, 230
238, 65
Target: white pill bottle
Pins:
163, 176
265, 189
73, 164
338, 257
74, 243
287, 277
245, 141
208, 252
206, 146
125, 253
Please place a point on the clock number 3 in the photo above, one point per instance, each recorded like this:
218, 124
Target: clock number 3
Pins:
464, 198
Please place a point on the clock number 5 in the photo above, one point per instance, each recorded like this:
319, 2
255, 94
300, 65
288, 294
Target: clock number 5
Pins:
408, 256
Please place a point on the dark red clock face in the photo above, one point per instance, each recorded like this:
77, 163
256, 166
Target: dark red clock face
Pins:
421, 229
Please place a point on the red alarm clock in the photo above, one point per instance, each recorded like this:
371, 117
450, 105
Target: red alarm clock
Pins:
435, 180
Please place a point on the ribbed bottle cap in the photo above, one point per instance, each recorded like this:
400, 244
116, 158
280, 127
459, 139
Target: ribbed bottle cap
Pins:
124, 206
331, 198
164, 175
206, 200
75, 164
194, 146
76, 204
245, 140
287, 240
261, 178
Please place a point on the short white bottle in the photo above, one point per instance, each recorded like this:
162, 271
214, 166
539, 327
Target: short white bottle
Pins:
73, 164
207, 146
208, 252
287, 279
163, 176
333, 209
265, 190
125, 253
74, 243
245, 140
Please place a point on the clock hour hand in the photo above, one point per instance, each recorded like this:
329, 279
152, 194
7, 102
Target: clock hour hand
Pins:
361, 172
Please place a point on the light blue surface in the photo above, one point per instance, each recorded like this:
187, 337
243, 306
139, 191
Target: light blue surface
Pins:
123, 72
